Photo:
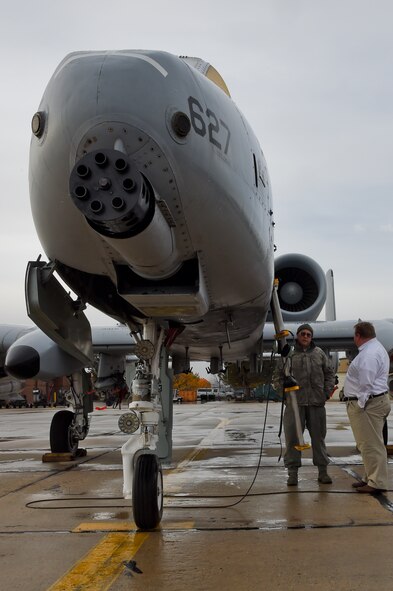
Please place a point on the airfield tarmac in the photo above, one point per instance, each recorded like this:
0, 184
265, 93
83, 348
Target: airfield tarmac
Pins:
65, 526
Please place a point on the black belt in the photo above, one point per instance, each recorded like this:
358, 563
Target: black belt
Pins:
347, 398
376, 395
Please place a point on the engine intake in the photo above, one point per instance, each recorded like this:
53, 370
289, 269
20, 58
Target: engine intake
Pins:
302, 287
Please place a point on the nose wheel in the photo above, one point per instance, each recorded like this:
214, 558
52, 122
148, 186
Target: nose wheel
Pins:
147, 492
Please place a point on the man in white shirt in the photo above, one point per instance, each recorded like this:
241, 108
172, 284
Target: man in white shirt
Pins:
368, 405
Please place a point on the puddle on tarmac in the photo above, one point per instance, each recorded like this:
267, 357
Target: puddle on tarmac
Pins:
102, 516
107, 515
240, 436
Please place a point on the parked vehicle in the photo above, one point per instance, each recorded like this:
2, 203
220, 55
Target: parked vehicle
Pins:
226, 395
39, 399
239, 394
215, 393
14, 401
207, 394
265, 392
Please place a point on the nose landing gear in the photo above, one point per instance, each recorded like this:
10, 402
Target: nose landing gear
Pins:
142, 472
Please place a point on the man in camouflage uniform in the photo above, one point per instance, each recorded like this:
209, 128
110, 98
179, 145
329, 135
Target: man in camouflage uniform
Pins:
315, 376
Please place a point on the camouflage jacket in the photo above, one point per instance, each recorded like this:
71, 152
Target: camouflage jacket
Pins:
313, 373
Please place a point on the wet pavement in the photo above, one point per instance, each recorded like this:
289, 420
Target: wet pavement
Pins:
229, 520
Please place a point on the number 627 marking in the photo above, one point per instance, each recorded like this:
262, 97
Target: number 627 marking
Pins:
213, 126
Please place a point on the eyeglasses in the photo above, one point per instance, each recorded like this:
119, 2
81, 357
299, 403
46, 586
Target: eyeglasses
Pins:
305, 334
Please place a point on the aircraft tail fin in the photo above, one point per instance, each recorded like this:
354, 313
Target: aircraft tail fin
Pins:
330, 304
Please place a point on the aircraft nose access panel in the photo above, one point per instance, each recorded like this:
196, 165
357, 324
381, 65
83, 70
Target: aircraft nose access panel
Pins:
51, 308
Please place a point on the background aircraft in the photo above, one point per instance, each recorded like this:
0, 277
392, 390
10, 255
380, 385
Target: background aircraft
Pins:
10, 392
151, 198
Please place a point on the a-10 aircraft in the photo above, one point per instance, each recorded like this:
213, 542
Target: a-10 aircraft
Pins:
151, 198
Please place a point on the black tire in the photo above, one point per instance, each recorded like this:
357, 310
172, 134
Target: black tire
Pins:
60, 435
147, 492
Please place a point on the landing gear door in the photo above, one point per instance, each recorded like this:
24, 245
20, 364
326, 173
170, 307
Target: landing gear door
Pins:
52, 309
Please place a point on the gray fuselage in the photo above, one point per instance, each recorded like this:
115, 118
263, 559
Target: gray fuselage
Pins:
205, 258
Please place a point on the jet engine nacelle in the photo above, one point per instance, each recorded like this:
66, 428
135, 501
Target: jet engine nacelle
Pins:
8, 386
302, 287
35, 355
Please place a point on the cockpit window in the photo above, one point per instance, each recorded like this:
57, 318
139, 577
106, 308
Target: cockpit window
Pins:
207, 70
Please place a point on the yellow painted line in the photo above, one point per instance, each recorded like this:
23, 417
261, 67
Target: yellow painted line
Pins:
187, 460
98, 570
127, 526
201, 447
100, 567
105, 526
178, 525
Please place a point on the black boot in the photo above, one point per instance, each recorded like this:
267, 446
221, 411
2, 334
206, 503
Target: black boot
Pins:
323, 476
292, 477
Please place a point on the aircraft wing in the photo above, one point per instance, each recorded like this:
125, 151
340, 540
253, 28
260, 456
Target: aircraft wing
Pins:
337, 335
333, 335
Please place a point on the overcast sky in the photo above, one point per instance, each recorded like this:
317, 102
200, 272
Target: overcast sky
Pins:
313, 78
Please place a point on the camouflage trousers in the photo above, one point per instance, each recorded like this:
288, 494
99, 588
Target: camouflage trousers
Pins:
314, 419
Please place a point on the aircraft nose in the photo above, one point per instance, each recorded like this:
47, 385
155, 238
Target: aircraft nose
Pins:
22, 362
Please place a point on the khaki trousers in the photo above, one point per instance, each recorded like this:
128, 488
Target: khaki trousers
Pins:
367, 425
